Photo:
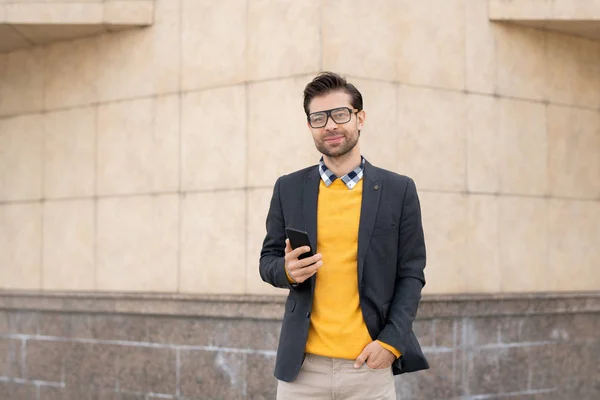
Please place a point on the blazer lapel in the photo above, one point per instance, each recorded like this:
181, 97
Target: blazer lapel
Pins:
311, 193
372, 187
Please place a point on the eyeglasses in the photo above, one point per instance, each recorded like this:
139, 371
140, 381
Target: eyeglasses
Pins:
340, 115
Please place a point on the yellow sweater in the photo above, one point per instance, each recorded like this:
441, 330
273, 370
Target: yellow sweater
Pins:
337, 326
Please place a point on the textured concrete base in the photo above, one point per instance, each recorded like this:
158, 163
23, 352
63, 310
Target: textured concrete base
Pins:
83, 347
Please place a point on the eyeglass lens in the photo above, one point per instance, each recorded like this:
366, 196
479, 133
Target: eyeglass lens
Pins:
339, 116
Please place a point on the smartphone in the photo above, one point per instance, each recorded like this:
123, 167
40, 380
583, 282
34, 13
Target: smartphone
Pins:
299, 238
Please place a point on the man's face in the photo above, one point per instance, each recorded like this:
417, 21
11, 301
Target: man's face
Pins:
335, 139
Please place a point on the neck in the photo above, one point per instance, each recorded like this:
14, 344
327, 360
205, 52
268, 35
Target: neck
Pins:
342, 165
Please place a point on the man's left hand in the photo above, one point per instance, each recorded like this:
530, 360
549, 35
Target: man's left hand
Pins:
375, 356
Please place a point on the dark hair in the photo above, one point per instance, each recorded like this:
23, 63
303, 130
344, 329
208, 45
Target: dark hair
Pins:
327, 82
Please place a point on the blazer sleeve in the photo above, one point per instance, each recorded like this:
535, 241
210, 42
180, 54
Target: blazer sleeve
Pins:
272, 263
410, 277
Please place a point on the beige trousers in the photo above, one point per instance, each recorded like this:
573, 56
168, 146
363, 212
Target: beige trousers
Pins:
323, 378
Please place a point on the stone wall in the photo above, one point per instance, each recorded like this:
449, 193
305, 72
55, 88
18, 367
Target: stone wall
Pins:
84, 347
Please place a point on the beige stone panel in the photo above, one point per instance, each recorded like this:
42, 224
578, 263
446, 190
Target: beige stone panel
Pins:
138, 146
21, 158
573, 70
431, 43
142, 62
137, 243
65, 12
521, 61
482, 272
432, 137
573, 152
126, 12
446, 239
480, 68
48, 33
213, 242
523, 228
360, 38
68, 243
279, 141
213, 43
10, 39
214, 139
379, 137
21, 82
482, 144
20, 246
575, 9
520, 9
70, 153
283, 38
71, 70
574, 245
258, 207
522, 147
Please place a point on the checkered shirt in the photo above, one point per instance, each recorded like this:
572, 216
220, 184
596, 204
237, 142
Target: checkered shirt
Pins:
350, 179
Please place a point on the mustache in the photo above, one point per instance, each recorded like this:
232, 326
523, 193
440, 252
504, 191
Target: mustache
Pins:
333, 135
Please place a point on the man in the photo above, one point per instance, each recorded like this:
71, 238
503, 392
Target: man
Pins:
347, 327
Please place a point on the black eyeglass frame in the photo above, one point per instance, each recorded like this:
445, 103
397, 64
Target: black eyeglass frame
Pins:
328, 114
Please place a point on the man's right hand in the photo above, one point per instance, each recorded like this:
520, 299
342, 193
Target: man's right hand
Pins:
300, 270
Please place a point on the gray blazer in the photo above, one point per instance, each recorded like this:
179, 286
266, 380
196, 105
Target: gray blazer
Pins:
391, 260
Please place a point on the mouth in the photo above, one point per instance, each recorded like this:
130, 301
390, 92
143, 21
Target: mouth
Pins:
334, 139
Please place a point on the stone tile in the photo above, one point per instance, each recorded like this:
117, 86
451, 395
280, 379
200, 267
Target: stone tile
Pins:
45, 360
141, 62
69, 153
206, 124
119, 327
423, 330
523, 148
213, 53
447, 333
21, 158
482, 245
480, 72
65, 325
524, 9
93, 366
68, 245
573, 244
138, 146
427, 22
523, 247
44, 34
21, 82
483, 170
129, 12
23, 322
482, 331
431, 138
573, 162
441, 381
573, 70
10, 358
42, 13
20, 246
147, 370
213, 237
579, 365
543, 373
446, 237
138, 243
378, 138
70, 74
514, 369
368, 55
82, 393
21, 391
11, 39
284, 38
258, 201
261, 384
272, 141
519, 76
483, 371
211, 374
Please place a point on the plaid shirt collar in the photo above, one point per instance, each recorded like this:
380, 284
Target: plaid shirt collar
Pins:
350, 179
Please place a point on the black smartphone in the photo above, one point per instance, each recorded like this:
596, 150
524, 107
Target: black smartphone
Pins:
299, 238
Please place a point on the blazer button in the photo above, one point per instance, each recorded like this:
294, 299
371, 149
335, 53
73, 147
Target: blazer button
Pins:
308, 314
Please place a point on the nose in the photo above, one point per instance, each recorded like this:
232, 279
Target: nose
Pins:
330, 125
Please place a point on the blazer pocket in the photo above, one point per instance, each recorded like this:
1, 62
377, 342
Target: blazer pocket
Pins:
384, 231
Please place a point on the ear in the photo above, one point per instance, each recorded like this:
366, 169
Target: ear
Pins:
361, 116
